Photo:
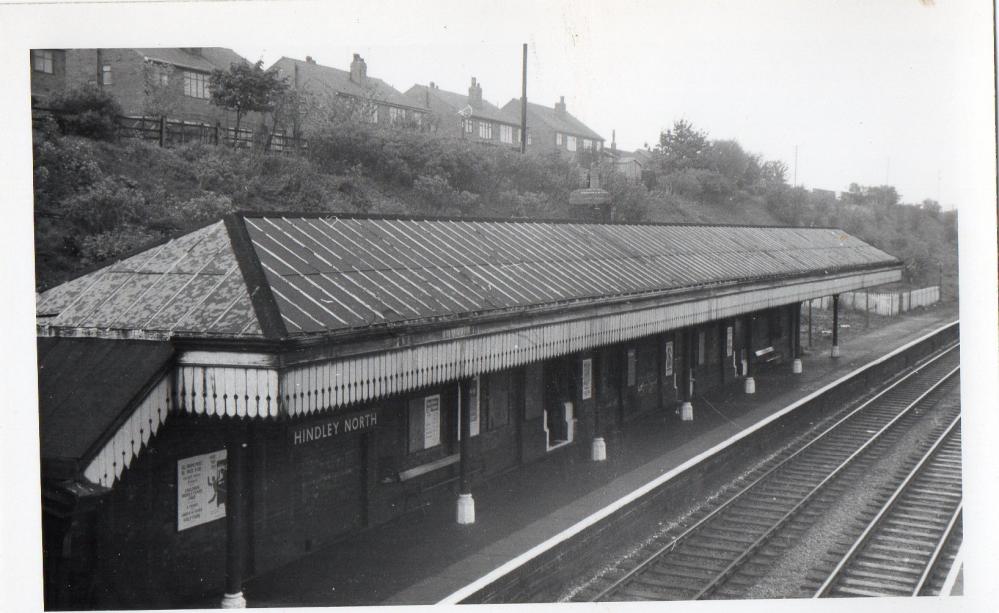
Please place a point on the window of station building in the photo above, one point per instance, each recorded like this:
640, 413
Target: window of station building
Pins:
106, 75
558, 139
196, 85
485, 130
42, 60
570, 143
506, 134
424, 423
495, 400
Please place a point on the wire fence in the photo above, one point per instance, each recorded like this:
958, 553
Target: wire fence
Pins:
887, 303
172, 132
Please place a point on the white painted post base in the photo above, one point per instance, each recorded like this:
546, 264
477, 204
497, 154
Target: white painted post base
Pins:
598, 452
233, 601
835, 351
796, 366
750, 385
466, 509
686, 412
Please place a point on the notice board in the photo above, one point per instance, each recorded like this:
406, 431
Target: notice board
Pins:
201, 493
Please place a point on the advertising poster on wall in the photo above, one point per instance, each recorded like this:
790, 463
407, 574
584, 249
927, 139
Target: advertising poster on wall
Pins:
728, 342
668, 359
201, 492
587, 379
431, 421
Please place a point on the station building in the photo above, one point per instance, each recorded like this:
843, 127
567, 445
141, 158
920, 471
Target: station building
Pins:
221, 404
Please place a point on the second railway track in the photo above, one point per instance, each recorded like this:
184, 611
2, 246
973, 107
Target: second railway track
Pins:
711, 557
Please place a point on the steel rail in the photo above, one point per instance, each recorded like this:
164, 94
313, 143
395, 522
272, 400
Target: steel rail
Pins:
814, 492
889, 504
934, 559
735, 497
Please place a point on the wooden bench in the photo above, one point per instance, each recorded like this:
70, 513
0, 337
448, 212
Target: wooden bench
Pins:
767, 355
419, 487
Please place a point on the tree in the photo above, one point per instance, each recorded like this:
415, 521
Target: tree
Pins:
247, 88
87, 111
682, 147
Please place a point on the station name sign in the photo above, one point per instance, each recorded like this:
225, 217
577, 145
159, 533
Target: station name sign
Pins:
333, 426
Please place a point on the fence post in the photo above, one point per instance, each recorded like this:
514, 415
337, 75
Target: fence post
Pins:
162, 131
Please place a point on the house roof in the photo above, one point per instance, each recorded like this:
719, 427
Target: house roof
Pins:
205, 58
317, 79
86, 386
456, 102
560, 122
287, 276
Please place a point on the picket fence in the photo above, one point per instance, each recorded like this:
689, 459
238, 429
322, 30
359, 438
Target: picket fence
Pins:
888, 303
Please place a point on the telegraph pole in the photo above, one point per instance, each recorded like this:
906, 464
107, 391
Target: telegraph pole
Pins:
523, 104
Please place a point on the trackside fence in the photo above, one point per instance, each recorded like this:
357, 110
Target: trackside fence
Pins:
885, 303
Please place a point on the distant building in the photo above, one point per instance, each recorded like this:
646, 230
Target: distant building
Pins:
353, 94
468, 116
149, 81
555, 129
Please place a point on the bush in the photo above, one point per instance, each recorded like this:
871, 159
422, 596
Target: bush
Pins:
105, 205
87, 111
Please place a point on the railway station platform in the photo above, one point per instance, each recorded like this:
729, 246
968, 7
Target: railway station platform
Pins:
425, 556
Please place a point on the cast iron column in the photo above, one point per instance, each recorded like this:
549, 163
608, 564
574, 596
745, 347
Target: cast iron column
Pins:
796, 339
835, 331
750, 382
466, 505
233, 598
687, 408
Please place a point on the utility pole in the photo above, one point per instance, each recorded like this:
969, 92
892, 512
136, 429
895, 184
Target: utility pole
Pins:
523, 104
795, 166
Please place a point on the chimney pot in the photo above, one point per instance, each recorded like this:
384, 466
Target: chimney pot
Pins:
475, 94
358, 69
309, 60
560, 105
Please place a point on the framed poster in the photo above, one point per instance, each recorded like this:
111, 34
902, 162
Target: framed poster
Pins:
201, 492
728, 342
473, 409
668, 359
587, 379
431, 421
632, 365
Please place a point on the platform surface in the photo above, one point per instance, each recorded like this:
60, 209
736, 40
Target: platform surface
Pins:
423, 557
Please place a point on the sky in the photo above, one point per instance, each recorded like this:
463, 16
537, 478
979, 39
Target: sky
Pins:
842, 92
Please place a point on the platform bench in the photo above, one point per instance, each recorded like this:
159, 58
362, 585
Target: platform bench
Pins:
767, 355
417, 488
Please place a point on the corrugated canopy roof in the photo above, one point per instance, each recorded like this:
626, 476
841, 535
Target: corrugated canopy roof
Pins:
333, 273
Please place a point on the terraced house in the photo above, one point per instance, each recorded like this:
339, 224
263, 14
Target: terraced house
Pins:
469, 117
352, 95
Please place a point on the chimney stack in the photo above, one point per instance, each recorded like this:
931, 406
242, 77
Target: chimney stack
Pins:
613, 140
309, 60
358, 69
475, 94
560, 105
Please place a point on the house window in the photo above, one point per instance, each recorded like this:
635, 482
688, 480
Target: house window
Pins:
418, 118
468, 125
42, 60
485, 130
506, 134
424, 423
558, 139
196, 85
600, 145
106, 74
528, 137
570, 143
397, 115
372, 114
587, 144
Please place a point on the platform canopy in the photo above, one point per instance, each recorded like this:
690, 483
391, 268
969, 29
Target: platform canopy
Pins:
276, 276
287, 315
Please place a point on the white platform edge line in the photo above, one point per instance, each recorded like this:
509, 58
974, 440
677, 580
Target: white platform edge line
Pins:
588, 521
955, 569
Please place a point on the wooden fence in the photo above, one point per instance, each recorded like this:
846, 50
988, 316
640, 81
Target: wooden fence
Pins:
172, 132
883, 302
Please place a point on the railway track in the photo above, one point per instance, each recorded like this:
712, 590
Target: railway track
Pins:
716, 555
905, 545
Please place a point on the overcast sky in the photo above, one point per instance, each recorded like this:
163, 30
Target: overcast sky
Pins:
868, 92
